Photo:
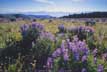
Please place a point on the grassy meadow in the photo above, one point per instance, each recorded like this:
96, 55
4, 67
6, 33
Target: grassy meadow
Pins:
12, 29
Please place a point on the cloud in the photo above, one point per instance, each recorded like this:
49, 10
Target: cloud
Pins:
77, 0
67, 9
45, 1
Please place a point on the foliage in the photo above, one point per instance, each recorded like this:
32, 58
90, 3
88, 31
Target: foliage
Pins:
37, 46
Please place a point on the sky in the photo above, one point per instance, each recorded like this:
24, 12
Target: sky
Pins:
73, 6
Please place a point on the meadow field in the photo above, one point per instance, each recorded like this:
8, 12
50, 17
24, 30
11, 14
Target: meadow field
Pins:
53, 45
14, 27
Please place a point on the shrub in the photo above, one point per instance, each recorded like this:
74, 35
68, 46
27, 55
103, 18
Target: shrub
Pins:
41, 51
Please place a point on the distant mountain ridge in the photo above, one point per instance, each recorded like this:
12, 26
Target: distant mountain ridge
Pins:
24, 16
53, 14
87, 15
46, 15
43, 13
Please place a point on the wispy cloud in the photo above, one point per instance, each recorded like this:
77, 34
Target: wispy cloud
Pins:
45, 1
77, 0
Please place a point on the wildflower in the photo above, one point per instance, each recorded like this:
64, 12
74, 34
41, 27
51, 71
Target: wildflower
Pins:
85, 51
37, 26
50, 62
76, 56
24, 29
95, 60
65, 55
100, 68
84, 58
95, 51
61, 28
75, 38
47, 35
91, 30
70, 44
63, 46
104, 56
84, 70
67, 41
56, 53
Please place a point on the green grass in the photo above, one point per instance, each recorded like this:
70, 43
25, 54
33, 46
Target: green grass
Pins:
13, 28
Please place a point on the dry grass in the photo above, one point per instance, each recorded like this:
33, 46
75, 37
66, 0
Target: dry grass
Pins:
51, 27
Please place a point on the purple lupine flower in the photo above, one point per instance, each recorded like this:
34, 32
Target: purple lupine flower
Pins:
41, 27
104, 56
50, 63
61, 26
64, 51
100, 68
37, 26
47, 35
76, 56
33, 25
82, 44
95, 60
82, 47
77, 48
63, 46
67, 42
85, 51
80, 28
24, 28
74, 49
83, 70
90, 29
56, 53
70, 46
50, 36
75, 38
84, 58
42, 35
95, 51
65, 55
85, 29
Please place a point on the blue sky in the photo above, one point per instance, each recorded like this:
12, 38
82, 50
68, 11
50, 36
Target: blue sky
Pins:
73, 6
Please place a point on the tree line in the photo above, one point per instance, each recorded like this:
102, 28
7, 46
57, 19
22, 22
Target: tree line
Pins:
87, 15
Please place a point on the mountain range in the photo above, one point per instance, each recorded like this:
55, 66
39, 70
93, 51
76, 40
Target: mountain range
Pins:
53, 14
47, 15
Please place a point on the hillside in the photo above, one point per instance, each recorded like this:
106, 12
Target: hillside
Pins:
24, 16
87, 15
